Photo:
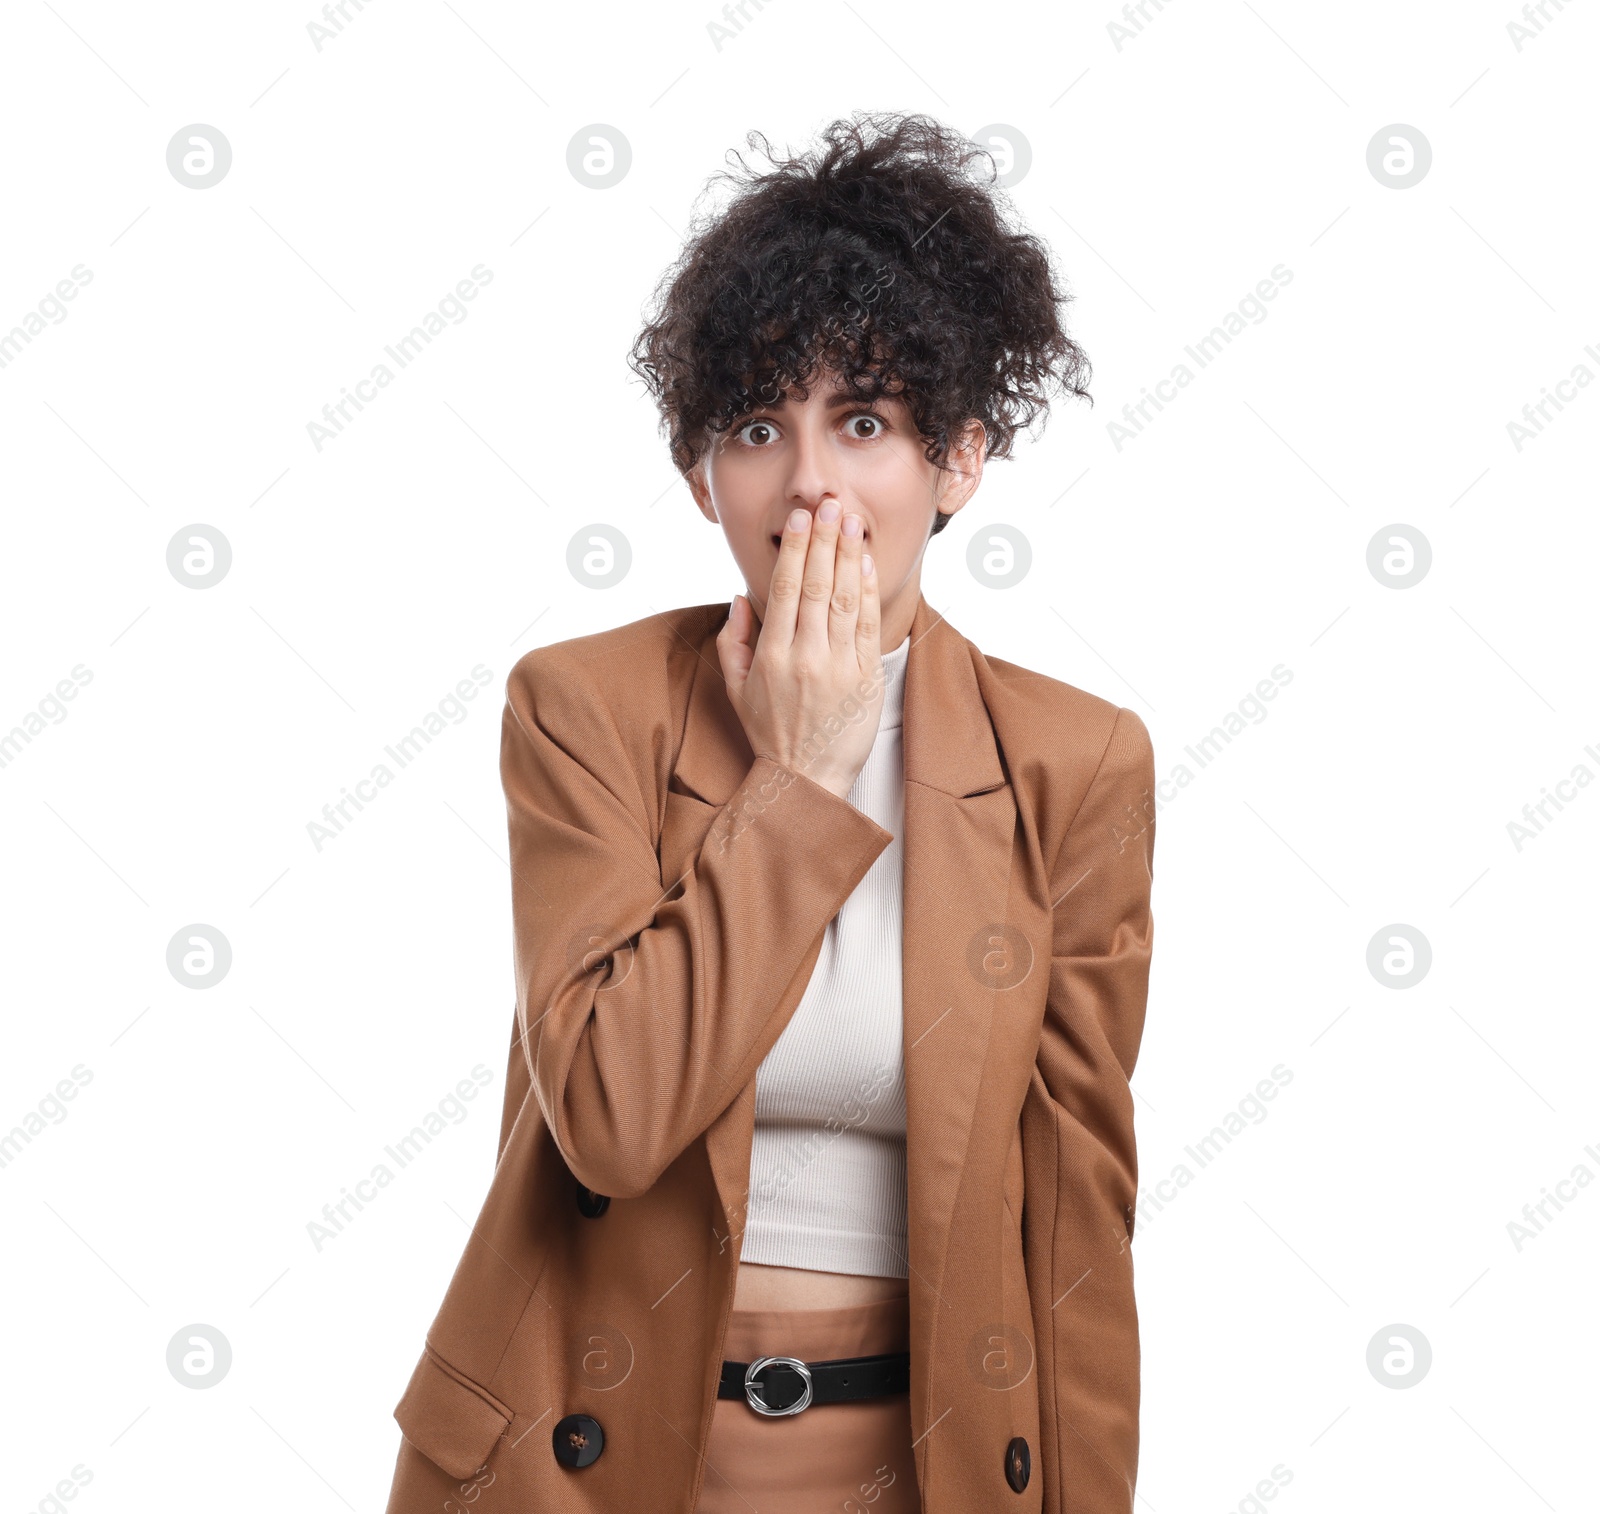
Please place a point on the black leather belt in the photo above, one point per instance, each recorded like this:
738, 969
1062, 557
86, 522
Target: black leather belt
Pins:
785, 1385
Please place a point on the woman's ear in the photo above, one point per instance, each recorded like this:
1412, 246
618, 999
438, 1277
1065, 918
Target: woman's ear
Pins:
965, 468
696, 480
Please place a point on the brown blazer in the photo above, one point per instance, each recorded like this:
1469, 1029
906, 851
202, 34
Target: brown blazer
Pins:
669, 897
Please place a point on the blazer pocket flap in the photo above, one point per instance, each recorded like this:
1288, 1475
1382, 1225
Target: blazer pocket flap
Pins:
449, 1418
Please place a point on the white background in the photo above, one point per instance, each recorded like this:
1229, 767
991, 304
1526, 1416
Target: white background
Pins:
1172, 573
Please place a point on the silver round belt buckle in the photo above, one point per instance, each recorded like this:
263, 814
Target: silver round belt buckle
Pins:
752, 1390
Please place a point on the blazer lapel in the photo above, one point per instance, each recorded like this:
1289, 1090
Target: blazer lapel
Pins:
960, 823
956, 851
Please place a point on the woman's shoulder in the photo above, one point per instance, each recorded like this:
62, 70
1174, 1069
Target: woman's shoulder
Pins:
1059, 741
615, 700
1038, 713
640, 660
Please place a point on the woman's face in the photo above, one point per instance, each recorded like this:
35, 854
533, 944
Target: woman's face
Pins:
866, 457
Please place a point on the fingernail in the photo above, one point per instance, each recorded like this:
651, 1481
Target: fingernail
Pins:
867, 567
797, 520
852, 525
829, 511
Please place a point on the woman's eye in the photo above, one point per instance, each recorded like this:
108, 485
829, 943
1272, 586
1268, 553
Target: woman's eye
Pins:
865, 426
763, 431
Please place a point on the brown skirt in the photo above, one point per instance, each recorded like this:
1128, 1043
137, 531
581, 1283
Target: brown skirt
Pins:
851, 1458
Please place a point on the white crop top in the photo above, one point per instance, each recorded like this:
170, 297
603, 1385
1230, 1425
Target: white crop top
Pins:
828, 1157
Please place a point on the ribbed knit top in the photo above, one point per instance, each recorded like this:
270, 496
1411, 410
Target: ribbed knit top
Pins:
828, 1158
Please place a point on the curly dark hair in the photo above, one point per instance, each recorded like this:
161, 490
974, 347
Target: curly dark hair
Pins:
878, 256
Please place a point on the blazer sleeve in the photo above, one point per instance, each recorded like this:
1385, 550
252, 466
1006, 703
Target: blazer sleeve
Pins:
641, 999
1099, 976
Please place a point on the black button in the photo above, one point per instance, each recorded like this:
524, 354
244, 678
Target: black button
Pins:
591, 1205
1017, 1463
578, 1440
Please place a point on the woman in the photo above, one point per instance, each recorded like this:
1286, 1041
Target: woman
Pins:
832, 939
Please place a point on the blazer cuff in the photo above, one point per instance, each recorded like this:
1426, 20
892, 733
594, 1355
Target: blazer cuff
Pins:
779, 806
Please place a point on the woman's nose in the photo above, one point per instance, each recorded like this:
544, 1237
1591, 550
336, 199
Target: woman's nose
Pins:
812, 474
